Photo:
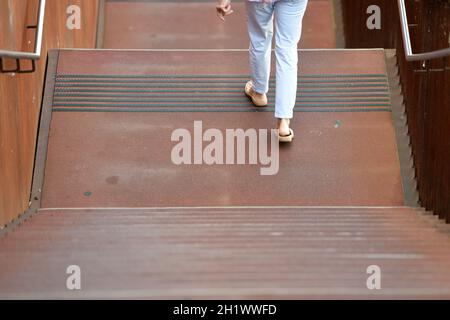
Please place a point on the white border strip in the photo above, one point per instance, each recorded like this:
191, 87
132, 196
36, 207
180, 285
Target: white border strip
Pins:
212, 50
224, 207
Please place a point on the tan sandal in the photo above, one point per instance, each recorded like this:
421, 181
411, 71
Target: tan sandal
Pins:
288, 138
257, 101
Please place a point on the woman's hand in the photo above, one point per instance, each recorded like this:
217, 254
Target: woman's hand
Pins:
224, 9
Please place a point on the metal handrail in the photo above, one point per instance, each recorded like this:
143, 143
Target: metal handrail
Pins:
410, 56
37, 45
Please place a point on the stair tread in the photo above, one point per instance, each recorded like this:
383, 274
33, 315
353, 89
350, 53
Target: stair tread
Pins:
222, 252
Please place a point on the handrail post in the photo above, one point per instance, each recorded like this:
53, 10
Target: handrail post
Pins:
405, 28
40, 28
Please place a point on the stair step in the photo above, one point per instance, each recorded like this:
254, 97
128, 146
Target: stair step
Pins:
227, 253
121, 108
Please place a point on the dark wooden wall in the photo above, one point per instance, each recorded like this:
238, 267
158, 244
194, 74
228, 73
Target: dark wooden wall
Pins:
355, 16
426, 85
20, 94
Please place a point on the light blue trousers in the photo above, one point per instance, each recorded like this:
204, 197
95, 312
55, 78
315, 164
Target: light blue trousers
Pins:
288, 16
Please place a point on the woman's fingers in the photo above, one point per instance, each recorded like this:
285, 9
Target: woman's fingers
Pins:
220, 16
224, 10
227, 8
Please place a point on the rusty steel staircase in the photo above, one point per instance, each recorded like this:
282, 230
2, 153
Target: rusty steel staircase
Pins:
107, 197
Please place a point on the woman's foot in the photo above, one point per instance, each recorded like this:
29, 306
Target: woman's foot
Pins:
285, 133
258, 99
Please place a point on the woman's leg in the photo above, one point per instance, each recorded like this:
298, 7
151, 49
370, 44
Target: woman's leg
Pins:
260, 30
288, 27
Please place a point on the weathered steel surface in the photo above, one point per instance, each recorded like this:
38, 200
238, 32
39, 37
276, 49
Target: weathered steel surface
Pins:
124, 158
227, 253
425, 85
112, 159
178, 62
109, 159
190, 24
